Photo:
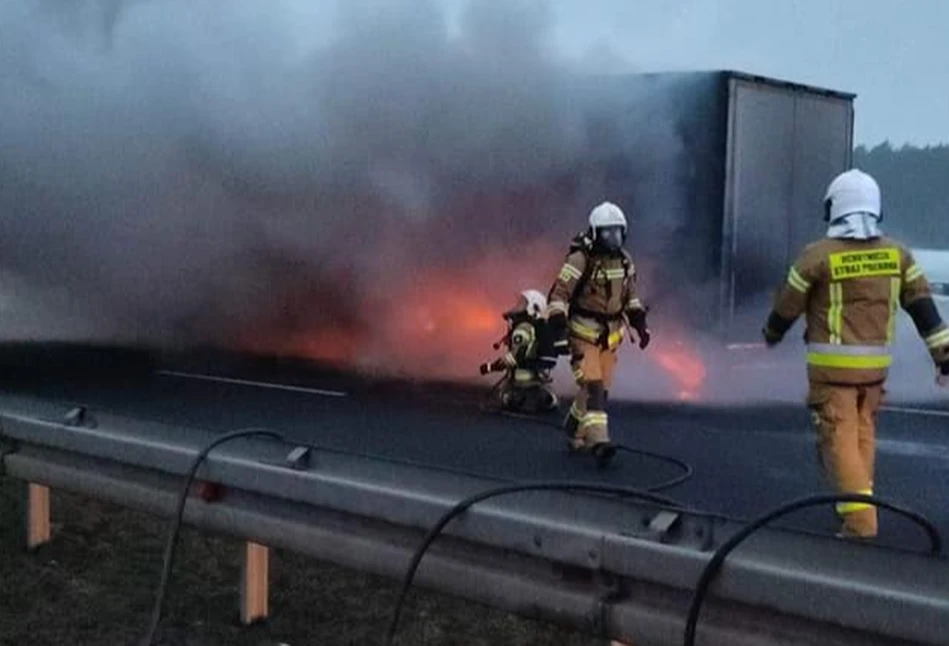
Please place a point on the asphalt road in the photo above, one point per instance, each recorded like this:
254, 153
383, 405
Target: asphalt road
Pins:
746, 460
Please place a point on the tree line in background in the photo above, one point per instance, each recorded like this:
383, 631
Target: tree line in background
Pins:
915, 185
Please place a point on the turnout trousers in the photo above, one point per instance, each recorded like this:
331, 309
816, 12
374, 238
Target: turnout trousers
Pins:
587, 422
845, 419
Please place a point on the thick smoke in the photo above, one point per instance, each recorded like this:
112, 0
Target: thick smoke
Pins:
190, 172
182, 171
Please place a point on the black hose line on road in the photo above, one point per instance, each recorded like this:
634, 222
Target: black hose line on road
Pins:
467, 503
687, 469
169, 557
714, 565
649, 495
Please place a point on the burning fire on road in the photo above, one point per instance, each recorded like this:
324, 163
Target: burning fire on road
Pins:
444, 323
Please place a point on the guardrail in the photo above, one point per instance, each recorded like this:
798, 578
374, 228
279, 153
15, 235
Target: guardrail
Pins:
622, 569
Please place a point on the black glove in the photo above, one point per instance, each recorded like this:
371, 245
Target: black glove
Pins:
942, 378
557, 324
771, 338
637, 321
644, 338
485, 368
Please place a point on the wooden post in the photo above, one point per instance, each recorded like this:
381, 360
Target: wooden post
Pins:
37, 516
254, 583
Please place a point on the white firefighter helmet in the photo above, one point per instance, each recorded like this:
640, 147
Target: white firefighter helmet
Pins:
535, 302
852, 192
605, 215
608, 226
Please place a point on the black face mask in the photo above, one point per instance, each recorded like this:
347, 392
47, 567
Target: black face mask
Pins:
610, 238
513, 317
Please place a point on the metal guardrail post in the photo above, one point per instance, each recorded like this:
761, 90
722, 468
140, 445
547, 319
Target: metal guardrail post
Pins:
255, 583
37, 516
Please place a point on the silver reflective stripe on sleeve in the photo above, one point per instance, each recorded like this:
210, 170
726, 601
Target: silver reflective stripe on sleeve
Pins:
850, 350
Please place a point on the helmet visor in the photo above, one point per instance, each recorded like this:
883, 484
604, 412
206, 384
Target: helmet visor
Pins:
610, 237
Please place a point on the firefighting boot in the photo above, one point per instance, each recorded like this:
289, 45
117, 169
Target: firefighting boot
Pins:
604, 452
859, 525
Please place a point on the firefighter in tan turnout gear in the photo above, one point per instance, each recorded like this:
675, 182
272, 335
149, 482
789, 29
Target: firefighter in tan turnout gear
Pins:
850, 287
591, 301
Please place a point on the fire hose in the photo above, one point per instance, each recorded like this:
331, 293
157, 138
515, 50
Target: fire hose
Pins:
687, 471
169, 557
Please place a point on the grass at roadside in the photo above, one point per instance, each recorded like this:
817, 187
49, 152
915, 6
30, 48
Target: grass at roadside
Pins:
96, 582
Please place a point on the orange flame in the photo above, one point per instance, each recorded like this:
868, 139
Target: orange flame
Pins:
443, 323
684, 365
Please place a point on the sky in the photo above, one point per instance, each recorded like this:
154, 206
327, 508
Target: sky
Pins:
894, 55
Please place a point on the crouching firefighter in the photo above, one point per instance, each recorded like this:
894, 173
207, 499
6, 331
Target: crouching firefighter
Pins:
850, 286
528, 360
591, 297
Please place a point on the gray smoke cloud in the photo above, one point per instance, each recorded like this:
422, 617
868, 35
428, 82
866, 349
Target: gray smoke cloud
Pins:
181, 170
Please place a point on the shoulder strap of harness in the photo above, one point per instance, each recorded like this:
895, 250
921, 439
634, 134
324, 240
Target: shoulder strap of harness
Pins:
582, 242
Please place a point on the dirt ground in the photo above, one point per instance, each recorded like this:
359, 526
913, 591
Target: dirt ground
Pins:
95, 584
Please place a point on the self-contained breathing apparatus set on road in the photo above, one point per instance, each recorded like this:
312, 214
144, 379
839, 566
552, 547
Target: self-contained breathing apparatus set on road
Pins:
528, 360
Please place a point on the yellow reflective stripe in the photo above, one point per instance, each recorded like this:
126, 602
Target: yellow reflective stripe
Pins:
913, 273
594, 419
797, 281
575, 412
578, 375
615, 338
583, 331
822, 360
634, 304
835, 313
591, 335
896, 285
523, 375
568, 271
613, 274
937, 340
510, 360
851, 507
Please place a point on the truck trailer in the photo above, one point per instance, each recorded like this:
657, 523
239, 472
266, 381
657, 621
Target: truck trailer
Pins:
723, 174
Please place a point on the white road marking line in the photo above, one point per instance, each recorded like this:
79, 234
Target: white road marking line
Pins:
257, 384
914, 449
907, 448
916, 411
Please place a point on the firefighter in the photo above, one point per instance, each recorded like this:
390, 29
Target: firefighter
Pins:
528, 360
590, 303
850, 287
